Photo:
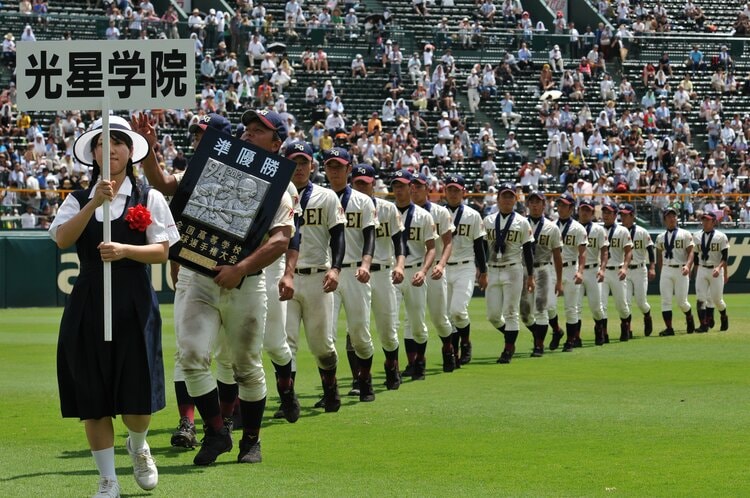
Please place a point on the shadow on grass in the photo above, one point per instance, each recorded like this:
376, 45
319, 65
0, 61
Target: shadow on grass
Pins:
121, 471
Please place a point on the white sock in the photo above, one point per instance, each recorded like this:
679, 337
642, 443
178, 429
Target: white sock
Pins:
137, 440
105, 462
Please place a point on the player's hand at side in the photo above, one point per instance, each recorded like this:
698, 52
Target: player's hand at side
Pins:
716, 272
286, 288
651, 274
331, 280
685, 270
530, 283
437, 272
112, 251
418, 279
397, 275
622, 274
228, 276
105, 191
600, 276
559, 288
726, 277
362, 275
482, 281
578, 278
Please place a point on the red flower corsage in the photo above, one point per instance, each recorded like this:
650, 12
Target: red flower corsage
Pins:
139, 218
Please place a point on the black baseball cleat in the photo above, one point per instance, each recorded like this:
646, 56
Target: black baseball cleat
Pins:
505, 357
354, 391
537, 352
648, 325
320, 403
214, 444
606, 338
577, 342
229, 423
724, 323
711, 322
666, 332
568, 347
249, 450
555, 342
289, 405
702, 329
279, 414
419, 368
465, 353
449, 361
408, 371
184, 436
366, 393
331, 399
690, 323
392, 378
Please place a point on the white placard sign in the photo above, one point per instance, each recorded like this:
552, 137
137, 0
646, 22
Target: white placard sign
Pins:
134, 74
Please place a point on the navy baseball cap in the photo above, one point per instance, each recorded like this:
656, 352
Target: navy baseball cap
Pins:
537, 194
299, 148
709, 214
420, 178
670, 209
567, 198
610, 206
586, 203
402, 176
270, 119
212, 120
363, 172
627, 209
506, 187
337, 154
456, 181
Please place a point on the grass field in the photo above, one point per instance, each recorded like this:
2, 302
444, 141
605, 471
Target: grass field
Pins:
652, 417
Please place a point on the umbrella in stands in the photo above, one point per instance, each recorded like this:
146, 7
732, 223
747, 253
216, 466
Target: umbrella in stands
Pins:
277, 47
551, 94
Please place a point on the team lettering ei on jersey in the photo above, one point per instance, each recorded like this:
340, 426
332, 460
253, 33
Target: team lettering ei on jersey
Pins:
322, 212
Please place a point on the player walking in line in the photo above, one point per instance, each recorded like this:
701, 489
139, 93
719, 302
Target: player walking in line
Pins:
641, 268
389, 255
311, 274
419, 236
510, 240
467, 263
711, 261
674, 257
597, 253
574, 241
620, 253
547, 272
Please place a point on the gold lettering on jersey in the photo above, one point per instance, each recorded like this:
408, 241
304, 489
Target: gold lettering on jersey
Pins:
592, 242
415, 233
513, 236
615, 243
384, 230
570, 240
464, 230
679, 244
313, 216
491, 234
353, 220
637, 244
715, 247
544, 240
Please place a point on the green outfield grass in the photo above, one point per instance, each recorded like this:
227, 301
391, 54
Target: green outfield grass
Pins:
652, 417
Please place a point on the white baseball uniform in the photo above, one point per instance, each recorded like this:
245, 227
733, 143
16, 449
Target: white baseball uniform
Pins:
505, 273
461, 270
597, 239
437, 290
573, 236
535, 305
674, 246
637, 280
709, 247
619, 239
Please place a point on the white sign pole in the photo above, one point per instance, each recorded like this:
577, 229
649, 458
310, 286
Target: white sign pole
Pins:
106, 222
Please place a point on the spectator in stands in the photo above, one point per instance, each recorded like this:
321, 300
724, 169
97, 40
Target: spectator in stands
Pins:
553, 155
488, 10
718, 81
359, 70
507, 110
546, 81
725, 59
525, 57
420, 7
511, 147
9, 50
695, 60
556, 59
388, 111
414, 67
255, 50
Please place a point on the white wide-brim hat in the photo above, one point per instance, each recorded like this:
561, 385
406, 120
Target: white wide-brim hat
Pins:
82, 147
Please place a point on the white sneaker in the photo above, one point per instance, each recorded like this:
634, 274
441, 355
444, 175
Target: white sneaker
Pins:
108, 488
144, 467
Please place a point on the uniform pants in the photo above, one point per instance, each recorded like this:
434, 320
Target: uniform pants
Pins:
356, 299
710, 289
437, 303
637, 283
313, 308
385, 307
274, 340
571, 295
612, 283
535, 305
673, 283
460, 279
503, 295
204, 310
593, 292
415, 304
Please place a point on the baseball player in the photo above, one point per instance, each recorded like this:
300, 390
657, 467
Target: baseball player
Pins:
419, 236
620, 253
575, 241
389, 254
674, 257
467, 262
510, 240
354, 291
547, 272
437, 285
312, 274
212, 305
638, 274
597, 253
711, 260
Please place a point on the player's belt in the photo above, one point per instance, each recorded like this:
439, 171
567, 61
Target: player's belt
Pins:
674, 266
351, 265
570, 263
508, 265
454, 263
633, 267
539, 265
309, 271
415, 265
377, 267
588, 267
709, 267
614, 267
